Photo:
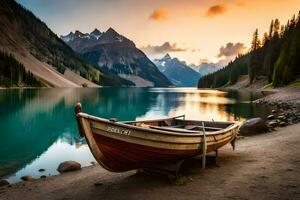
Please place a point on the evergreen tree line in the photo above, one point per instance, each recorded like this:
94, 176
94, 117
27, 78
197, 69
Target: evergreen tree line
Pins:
46, 46
13, 73
276, 56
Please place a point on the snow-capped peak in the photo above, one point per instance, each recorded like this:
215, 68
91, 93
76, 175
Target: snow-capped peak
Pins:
96, 33
69, 37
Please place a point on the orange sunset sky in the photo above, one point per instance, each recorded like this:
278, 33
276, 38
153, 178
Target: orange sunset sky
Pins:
192, 30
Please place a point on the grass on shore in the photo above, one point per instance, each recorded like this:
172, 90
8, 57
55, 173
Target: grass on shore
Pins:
295, 83
268, 86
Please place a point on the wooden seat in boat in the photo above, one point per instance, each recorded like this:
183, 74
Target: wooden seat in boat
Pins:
168, 128
193, 127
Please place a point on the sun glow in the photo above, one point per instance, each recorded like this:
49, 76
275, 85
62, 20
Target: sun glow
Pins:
200, 27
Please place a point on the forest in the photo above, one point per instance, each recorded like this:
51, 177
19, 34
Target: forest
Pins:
14, 74
275, 57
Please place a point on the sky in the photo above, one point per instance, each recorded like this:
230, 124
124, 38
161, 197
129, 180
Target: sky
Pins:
194, 31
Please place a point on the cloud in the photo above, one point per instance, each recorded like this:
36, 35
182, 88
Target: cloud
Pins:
164, 48
231, 49
160, 14
225, 61
240, 2
215, 10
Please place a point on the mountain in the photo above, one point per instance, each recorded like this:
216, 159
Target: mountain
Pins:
43, 53
177, 72
113, 53
273, 60
206, 68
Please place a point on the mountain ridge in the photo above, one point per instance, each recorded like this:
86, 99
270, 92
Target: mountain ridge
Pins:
206, 68
116, 54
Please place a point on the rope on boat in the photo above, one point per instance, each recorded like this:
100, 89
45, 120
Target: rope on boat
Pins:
203, 147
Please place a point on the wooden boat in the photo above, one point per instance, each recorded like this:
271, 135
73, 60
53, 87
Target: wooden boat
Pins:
123, 146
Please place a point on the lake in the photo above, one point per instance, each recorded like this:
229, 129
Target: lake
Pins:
38, 128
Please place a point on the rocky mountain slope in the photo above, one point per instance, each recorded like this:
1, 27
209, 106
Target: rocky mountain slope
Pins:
43, 53
177, 72
113, 53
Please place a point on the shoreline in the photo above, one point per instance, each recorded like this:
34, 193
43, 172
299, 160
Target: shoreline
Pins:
93, 181
285, 102
265, 166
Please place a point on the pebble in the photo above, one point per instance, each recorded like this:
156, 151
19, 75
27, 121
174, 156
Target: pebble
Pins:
93, 163
273, 124
288, 112
27, 178
282, 124
98, 184
42, 170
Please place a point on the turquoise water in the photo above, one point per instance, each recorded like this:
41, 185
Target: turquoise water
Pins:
38, 130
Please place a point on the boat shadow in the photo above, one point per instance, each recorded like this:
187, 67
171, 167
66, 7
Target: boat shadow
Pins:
179, 169
146, 182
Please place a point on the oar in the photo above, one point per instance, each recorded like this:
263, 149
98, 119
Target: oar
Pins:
203, 147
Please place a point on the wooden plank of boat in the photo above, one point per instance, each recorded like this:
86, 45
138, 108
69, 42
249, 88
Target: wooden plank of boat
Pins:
121, 146
192, 127
180, 130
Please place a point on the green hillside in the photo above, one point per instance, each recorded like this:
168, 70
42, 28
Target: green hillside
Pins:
276, 56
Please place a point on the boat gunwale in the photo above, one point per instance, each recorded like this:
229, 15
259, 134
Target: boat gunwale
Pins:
233, 125
175, 143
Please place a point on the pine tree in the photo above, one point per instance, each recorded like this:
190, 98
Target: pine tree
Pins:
13, 73
253, 62
265, 39
280, 65
276, 28
255, 44
271, 29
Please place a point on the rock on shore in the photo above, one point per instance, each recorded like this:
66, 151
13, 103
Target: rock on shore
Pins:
27, 178
253, 126
287, 106
68, 166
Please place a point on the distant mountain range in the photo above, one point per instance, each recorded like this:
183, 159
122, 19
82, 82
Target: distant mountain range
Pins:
177, 71
206, 68
113, 53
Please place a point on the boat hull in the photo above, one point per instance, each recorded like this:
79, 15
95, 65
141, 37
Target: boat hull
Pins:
123, 156
119, 147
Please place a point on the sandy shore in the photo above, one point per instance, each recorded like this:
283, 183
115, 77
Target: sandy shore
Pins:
264, 166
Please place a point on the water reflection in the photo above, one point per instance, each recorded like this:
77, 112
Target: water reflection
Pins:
38, 127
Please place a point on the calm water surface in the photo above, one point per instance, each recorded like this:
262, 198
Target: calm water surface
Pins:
38, 130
